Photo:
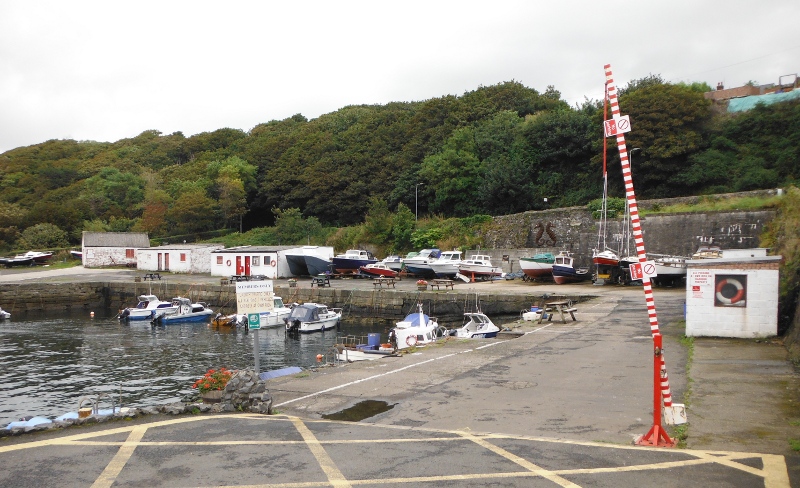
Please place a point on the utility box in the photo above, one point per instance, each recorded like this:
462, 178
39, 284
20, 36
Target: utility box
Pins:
732, 297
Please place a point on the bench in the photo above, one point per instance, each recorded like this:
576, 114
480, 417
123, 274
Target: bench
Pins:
379, 282
443, 283
152, 276
320, 280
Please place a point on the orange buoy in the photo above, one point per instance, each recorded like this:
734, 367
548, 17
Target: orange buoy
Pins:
91, 314
319, 358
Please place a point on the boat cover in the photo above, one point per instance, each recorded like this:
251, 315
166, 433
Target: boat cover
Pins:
304, 313
414, 319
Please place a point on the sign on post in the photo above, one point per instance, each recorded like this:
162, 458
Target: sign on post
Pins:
254, 321
617, 126
641, 270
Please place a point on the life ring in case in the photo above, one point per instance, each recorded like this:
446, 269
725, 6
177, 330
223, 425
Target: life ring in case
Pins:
735, 298
411, 340
273, 263
228, 263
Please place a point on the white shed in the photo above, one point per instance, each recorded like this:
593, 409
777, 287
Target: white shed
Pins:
112, 248
178, 258
264, 261
732, 297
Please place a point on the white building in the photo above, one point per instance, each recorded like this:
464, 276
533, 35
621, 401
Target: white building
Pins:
733, 296
178, 258
112, 248
266, 261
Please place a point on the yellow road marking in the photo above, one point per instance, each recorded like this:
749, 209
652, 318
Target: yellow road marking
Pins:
325, 462
109, 475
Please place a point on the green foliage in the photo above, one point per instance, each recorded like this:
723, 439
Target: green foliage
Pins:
426, 238
403, 223
782, 236
615, 207
292, 228
43, 236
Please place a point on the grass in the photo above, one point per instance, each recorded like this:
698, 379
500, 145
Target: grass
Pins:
716, 204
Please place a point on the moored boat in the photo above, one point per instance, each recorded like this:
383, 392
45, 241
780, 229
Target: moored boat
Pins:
378, 269
447, 264
350, 261
416, 329
148, 308
186, 311
478, 265
538, 266
564, 270
477, 326
605, 258
312, 317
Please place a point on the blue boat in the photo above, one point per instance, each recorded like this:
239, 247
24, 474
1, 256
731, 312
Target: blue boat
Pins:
186, 311
353, 259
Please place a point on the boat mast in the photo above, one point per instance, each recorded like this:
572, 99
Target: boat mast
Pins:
601, 231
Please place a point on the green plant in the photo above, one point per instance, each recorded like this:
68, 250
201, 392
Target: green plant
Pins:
214, 379
794, 444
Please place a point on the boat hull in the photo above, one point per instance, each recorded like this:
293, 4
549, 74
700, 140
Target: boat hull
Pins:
564, 274
203, 316
535, 269
346, 265
420, 270
389, 273
317, 265
317, 325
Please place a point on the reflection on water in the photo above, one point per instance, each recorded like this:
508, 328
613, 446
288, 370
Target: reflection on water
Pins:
48, 363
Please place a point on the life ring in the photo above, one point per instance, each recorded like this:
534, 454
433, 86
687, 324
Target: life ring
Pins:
273, 263
734, 299
411, 340
228, 263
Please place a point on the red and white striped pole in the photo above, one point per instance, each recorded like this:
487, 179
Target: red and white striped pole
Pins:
636, 227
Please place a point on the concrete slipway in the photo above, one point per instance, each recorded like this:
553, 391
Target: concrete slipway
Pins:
557, 406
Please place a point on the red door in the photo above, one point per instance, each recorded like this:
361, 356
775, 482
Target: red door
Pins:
247, 265
159, 261
166, 261
239, 268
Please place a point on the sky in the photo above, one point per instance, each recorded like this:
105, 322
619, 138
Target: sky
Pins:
109, 70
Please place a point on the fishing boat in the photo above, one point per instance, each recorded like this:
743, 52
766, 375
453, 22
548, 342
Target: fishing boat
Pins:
447, 264
148, 308
186, 311
415, 330
350, 261
76, 254
564, 270
312, 317
538, 266
477, 326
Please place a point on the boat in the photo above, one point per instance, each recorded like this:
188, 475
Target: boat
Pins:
350, 261
605, 258
186, 311
37, 256
707, 252
479, 265
312, 317
18, 260
394, 262
419, 265
232, 320
378, 269
564, 270
669, 269
274, 318
148, 308
4, 315
538, 266
76, 254
415, 330
447, 264
477, 326
296, 260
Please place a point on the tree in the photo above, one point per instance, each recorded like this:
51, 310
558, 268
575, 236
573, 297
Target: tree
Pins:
456, 174
43, 236
192, 212
232, 200
292, 228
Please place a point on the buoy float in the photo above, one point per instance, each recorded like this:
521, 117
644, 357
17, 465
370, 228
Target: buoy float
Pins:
319, 358
91, 314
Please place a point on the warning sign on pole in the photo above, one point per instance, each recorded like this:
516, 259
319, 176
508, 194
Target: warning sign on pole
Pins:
640, 270
617, 126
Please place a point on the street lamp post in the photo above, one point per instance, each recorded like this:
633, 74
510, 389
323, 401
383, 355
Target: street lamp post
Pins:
416, 200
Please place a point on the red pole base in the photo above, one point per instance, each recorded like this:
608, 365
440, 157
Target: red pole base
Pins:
656, 437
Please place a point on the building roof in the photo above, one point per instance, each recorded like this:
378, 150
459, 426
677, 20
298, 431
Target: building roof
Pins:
253, 249
183, 247
116, 239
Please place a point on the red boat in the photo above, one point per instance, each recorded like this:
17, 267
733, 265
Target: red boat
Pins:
378, 269
605, 258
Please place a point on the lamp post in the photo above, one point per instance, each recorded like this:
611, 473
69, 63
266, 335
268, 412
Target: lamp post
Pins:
416, 200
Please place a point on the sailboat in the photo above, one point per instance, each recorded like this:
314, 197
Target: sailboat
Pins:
602, 255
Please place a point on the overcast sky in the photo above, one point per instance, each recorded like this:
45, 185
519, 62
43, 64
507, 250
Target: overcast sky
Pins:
108, 70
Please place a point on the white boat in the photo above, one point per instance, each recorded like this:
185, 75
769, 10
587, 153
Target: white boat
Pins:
669, 269
420, 264
415, 330
393, 262
186, 311
276, 316
4, 315
447, 264
312, 317
479, 265
538, 266
476, 326
148, 308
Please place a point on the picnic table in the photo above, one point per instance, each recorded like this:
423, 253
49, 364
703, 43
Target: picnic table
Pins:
442, 283
562, 307
235, 278
152, 276
321, 280
379, 282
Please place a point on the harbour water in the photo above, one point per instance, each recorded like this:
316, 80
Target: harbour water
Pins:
48, 363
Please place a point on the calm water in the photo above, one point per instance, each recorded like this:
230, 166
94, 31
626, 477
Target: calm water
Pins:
48, 363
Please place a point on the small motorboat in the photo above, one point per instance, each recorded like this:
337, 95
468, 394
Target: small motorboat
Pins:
415, 330
4, 315
232, 320
538, 266
312, 317
477, 326
186, 311
378, 269
148, 308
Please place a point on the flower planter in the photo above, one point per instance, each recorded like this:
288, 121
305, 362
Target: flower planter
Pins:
422, 287
213, 396
292, 284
